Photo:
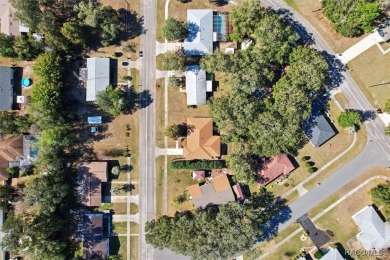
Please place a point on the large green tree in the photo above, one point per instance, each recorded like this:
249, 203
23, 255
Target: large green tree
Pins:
349, 119
174, 60
27, 48
12, 123
6, 46
75, 32
112, 100
174, 29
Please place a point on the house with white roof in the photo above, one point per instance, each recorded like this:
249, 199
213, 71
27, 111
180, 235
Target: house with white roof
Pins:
200, 32
97, 76
332, 254
197, 85
375, 233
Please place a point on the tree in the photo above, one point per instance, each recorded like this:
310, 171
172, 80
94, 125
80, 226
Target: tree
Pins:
57, 136
6, 46
75, 33
245, 18
112, 100
88, 12
387, 131
27, 48
349, 118
174, 81
351, 17
174, 29
175, 131
381, 194
180, 199
387, 106
48, 68
115, 170
7, 195
28, 13
12, 123
243, 166
110, 25
174, 60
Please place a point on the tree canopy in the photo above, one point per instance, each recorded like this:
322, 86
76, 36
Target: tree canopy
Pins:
112, 100
174, 60
12, 123
349, 119
174, 29
213, 232
351, 17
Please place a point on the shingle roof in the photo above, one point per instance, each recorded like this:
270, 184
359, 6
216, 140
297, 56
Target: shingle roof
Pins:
375, 234
200, 32
318, 236
6, 88
11, 149
273, 168
198, 175
90, 178
216, 192
98, 76
195, 85
200, 143
238, 191
95, 246
317, 129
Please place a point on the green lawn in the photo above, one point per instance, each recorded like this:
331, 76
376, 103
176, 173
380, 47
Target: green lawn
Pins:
119, 227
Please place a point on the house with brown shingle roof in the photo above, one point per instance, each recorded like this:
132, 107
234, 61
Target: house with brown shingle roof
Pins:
11, 150
200, 142
216, 192
90, 178
272, 168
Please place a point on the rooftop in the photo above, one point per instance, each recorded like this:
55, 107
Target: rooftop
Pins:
200, 32
90, 178
216, 192
6, 88
273, 168
375, 233
195, 85
11, 149
98, 76
200, 142
317, 128
95, 246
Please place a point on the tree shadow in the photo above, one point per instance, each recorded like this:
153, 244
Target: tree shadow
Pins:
193, 30
144, 99
334, 77
134, 24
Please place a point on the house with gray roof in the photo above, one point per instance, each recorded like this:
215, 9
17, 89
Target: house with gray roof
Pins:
317, 128
6, 88
95, 244
97, 76
200, 32
374, 232
195, 85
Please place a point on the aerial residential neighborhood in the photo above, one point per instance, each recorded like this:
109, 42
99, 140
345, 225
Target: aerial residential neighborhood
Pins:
194, 129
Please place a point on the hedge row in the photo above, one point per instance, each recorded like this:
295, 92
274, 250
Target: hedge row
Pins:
198, 164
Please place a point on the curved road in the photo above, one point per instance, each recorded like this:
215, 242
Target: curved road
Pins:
376, 152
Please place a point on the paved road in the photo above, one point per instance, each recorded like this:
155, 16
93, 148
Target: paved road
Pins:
147, 83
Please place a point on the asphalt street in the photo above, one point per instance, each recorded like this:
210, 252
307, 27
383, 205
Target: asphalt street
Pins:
147, 83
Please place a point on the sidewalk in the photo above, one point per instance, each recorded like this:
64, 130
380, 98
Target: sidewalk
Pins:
358, 48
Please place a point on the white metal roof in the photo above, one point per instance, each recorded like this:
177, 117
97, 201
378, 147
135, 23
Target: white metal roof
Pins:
375, 234
200, 32
332, 254
195, 85
98, 76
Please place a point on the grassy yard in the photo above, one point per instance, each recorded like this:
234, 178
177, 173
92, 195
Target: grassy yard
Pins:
369, 69
319, 155
160, 112
118, 246
119, 227
312, 12
159, 186
118, 208
133, 208
134, 242
134, 228
343, 101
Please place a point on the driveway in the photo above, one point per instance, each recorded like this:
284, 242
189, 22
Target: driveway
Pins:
358, 48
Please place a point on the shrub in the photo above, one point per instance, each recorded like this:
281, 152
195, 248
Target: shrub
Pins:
349, 118
286, 184
318, 254
115, 170
311, 170
198, 164
127, 134
307, 164
115, 152
305, 158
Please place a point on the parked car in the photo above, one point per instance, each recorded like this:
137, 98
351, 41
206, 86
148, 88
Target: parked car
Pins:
141, 53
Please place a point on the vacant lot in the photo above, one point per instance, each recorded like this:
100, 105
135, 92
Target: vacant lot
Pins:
371, 73
312, 12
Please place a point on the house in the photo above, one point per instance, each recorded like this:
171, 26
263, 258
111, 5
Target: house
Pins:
15, 151
332, 254
200, 142
200, 32
9, 24
319, 237
6, 88
375, 233
197, 84
95, 244
216, 192
90, 178
198, 175
238, 191
96, 76
273, 168
317, 128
